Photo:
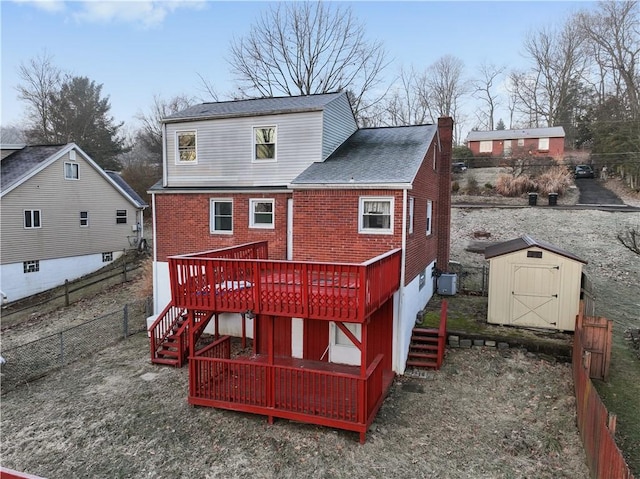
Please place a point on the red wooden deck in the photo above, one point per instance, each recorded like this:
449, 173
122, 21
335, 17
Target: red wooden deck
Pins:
309, 391
232, 281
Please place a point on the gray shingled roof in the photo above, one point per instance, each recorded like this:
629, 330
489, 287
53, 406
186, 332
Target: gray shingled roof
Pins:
20, 163
115, 176
524, 242
551, 132
373, 156
256, 106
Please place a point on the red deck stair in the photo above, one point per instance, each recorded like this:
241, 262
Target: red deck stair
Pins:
427, 346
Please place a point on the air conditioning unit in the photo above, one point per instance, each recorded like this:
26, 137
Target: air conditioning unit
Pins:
447, 284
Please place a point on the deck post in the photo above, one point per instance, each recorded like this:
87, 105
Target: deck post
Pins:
244, 330
216, 327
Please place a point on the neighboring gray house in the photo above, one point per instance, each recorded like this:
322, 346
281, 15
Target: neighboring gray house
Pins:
62, 216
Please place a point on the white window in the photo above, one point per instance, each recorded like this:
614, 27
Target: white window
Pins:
107, 257
221, 220
543, 144
70, 171
31, 266
429, 216
411, 206
520, 141
32, 219
507, 147
121, 217
261, 213
264, 143
376, 215
486, 146
84, 219
186, 147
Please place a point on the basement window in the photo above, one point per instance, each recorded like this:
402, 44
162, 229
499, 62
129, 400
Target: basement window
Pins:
534, 254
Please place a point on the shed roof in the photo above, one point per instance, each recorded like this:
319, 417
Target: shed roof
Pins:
373, 156
525, 242
255, 106
551, 132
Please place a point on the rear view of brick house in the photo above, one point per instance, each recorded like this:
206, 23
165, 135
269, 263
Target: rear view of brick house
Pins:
334, 236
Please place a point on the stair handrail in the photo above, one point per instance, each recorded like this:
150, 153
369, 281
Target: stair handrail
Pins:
157, 339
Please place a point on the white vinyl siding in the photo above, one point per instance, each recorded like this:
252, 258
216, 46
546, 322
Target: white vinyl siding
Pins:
59, 202
543, 144
262, 213
221, 216
338, 125
376, 215
486, 146
226, 151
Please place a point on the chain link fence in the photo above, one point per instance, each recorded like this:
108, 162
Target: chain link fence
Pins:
471, 279
38, 358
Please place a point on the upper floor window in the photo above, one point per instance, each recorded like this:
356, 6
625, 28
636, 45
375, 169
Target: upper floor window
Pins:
221, 216
264, 143
186, 147
429, 217
543, 144
261, 213
121, 217
84, 219
376, 215
32, 219
70, 171
486, 146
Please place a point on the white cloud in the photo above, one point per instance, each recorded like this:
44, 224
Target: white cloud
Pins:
145, 13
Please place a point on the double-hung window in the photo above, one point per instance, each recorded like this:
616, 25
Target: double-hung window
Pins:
121, 217
186, 148
71, 171
486, 146
262, 213
264, 143
411, 207
376, 215
221, 216
543, 144
32, 219
84, 219
429, 217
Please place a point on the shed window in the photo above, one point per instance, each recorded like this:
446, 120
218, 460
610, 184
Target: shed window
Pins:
543, 144
534, 254
486, 146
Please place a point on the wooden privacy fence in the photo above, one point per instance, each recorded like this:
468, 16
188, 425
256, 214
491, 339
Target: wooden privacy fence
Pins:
597, 427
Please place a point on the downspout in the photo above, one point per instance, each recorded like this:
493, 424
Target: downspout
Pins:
398, 339
156, 308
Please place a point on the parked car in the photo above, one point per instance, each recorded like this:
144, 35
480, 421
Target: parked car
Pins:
583, 171
458, 167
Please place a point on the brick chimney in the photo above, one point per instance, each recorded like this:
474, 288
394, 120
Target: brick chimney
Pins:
443, 209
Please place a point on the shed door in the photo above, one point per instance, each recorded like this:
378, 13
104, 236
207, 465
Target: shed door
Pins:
534, 295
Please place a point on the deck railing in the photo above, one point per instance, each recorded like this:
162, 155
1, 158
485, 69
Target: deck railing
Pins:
163, 326
218, 281
331, 398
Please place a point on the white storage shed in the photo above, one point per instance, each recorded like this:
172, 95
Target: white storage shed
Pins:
533, 284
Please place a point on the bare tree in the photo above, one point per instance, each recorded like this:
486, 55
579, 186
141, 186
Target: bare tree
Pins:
406, 104
630, 239
546, 93
150, 133
41, 79
484, 91
614, 33
302, 48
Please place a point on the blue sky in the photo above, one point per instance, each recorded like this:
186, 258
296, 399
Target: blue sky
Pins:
140, 48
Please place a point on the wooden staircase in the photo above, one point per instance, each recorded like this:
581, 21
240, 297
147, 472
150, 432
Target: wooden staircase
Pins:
170, 335
427, 346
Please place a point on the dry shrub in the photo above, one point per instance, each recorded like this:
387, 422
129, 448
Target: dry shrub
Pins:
510, 185
554, 180
144, 287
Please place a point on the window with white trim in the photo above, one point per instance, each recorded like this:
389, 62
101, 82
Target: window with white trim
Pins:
221, 220
486, 146
121, 217
84, 219
32, 219
186, 147
376, 215
264, 139
411, 206
520, 141
429, 217
543, 144
31, 266
107, 257
261, 213
71, 171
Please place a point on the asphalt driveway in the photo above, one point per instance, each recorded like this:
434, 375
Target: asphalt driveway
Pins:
592, 192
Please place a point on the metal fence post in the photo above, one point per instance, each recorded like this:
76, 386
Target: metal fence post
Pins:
61, 349
124, 266
125, 321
